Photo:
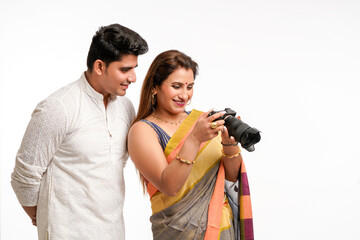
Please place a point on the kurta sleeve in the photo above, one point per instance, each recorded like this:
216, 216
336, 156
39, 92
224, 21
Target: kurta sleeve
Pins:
130, 111
45, 132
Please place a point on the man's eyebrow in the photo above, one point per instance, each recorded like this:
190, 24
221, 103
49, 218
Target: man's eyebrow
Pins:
128, 68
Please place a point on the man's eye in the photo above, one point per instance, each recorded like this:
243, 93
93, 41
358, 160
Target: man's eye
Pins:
124, 70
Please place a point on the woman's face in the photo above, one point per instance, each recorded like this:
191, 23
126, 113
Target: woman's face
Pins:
175, 91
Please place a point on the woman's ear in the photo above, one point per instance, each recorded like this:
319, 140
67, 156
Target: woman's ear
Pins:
154, 91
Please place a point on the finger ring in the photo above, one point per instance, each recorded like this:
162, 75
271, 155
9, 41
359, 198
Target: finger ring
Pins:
213, 125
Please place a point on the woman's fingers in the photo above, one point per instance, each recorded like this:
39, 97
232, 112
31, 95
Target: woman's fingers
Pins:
217, 125
208, 127
226, 138
225, 132
215, 116
206, 114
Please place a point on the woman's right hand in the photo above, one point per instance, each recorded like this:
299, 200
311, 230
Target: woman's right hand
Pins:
203, 131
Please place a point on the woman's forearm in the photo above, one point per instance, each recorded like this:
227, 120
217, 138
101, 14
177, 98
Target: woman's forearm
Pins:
178, 171
232, 159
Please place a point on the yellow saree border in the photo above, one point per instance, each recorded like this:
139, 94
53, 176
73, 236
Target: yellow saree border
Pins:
176, 142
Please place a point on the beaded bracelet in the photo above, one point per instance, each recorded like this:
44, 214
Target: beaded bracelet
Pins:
231, 156
184, 161
235, 144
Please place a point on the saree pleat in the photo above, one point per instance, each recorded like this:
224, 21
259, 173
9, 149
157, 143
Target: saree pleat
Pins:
186, 219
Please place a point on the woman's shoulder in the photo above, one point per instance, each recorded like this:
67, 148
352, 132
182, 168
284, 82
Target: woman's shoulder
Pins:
141, 134
141, 127
139, 124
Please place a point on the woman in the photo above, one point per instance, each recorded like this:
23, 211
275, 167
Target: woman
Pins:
183, 160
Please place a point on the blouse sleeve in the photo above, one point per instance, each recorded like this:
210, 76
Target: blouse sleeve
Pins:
45, 132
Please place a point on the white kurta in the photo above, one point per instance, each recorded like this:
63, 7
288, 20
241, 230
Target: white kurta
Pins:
70, 164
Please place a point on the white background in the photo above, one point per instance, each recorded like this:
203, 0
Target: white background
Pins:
290, 68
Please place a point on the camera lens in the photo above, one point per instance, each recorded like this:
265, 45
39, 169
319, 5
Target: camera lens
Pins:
243, 133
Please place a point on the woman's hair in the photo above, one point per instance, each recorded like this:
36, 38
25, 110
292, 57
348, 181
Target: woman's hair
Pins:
160, 69
111, 42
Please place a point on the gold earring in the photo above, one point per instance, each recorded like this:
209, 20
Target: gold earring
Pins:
189, 102
153, 100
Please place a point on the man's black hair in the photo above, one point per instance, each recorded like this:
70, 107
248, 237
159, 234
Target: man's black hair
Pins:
111, 42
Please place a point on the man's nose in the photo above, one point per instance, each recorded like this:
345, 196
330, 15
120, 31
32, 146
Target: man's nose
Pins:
132, 76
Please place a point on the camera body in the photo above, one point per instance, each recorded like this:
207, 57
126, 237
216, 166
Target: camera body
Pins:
242, 132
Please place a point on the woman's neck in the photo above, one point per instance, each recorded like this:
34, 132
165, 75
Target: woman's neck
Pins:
167, 117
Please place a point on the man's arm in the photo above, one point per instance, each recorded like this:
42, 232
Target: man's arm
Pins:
44, 134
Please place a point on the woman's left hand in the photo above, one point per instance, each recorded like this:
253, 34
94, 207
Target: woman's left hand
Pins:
226, 139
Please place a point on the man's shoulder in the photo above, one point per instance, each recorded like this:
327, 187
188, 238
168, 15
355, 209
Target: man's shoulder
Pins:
125, 108
125, 103
63, 98
123, 100
67, 91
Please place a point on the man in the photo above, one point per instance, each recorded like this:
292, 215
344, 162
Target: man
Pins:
68, 174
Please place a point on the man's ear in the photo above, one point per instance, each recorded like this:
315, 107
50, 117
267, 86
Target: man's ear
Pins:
99, 67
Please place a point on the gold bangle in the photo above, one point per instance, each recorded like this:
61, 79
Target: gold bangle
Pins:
235, 144
231, 156
183, 160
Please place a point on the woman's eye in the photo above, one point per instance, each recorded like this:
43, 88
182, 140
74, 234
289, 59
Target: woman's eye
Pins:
176, 86
189, 87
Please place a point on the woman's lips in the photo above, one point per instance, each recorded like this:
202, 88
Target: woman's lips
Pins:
179, 103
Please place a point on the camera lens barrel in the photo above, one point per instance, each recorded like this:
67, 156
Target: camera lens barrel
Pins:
243, 133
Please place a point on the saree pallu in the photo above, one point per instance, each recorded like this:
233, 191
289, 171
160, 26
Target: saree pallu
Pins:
200, 210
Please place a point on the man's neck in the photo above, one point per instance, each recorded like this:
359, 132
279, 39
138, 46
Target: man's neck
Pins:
106, 100
93, 83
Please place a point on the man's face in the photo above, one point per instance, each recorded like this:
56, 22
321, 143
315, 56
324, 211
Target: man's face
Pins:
119, 75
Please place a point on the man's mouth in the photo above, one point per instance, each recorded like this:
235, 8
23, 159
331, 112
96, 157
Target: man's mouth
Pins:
125, 86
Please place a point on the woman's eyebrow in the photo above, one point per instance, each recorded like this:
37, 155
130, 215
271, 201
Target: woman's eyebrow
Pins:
180, 83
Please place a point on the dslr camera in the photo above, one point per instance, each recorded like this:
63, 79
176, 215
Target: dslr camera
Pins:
243, 133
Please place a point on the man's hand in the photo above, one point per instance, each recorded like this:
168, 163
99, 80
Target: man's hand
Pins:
31, 211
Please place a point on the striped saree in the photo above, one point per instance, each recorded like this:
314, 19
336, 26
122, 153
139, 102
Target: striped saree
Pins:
200, 210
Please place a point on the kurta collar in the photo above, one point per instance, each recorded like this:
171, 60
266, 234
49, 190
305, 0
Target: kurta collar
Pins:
91, 91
